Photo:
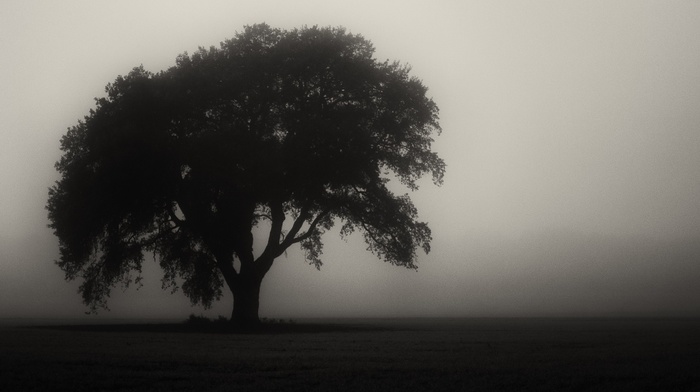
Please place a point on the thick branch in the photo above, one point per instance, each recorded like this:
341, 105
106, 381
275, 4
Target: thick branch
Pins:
244, 250
277, 220
291, 240
298, 223
265, 260
274, 248
225, 265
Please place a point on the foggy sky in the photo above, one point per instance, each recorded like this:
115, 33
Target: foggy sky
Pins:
571, 133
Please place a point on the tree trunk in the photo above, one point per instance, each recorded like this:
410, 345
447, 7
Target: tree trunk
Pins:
246, 301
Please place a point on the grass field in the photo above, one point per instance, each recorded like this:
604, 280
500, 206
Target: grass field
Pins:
359, 355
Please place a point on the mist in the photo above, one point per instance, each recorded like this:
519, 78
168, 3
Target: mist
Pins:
570, 132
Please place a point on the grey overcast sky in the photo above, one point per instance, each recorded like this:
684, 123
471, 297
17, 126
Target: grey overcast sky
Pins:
571, 135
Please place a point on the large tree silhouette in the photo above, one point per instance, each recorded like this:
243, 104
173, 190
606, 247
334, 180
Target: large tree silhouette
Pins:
285, 131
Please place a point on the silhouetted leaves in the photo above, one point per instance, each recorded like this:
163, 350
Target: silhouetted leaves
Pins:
301, 126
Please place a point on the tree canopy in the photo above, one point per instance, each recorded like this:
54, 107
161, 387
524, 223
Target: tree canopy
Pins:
291, 130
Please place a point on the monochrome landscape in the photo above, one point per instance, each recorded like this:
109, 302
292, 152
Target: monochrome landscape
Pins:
555, 239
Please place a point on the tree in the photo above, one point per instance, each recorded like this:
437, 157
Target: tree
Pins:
286, 131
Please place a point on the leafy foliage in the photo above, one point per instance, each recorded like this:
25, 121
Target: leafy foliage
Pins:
300, 126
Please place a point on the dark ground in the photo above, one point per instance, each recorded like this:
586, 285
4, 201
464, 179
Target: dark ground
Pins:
359, 355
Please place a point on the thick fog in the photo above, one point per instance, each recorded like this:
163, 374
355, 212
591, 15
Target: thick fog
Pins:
571, 133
